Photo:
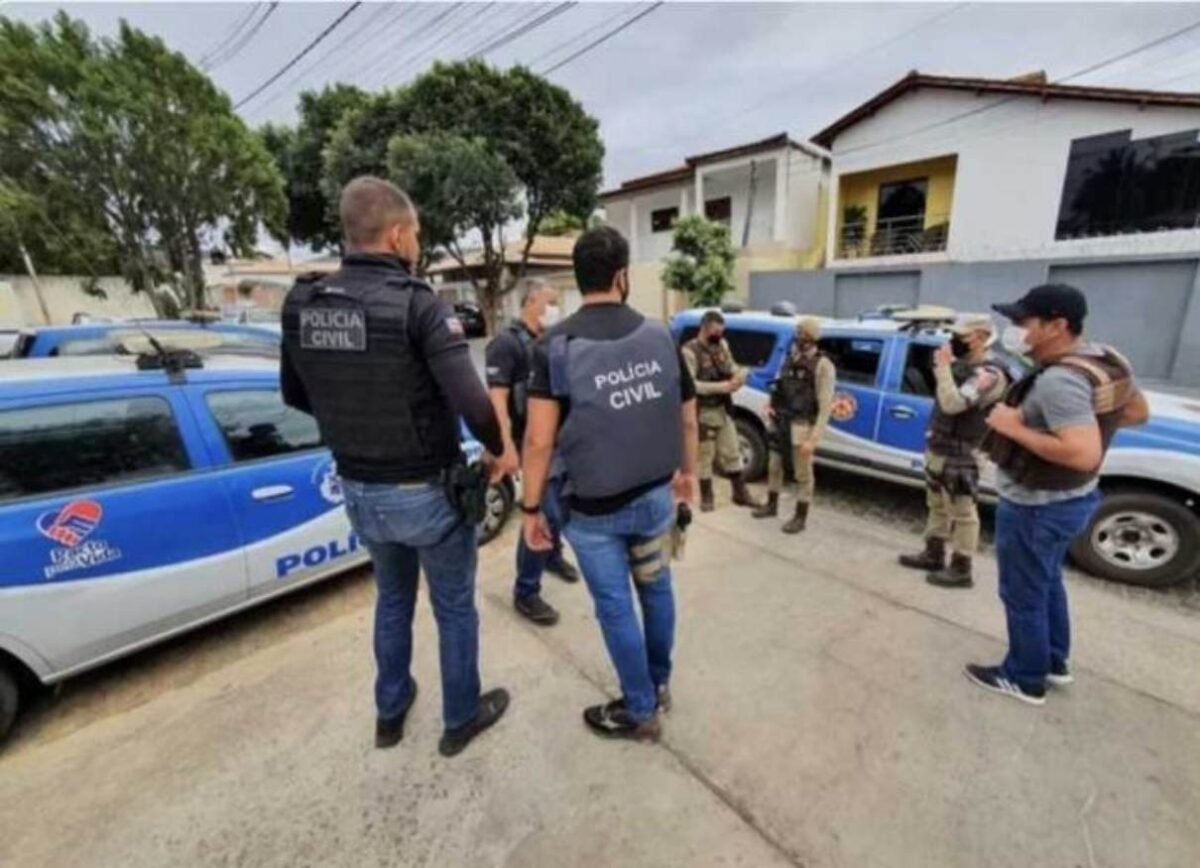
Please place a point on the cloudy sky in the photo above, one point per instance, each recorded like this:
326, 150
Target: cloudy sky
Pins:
683, 79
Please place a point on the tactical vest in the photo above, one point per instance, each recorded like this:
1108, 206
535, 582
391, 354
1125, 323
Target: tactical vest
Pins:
518, 394
1111, 377
795, 392
713, 365
376, 403
957, 434
624, 428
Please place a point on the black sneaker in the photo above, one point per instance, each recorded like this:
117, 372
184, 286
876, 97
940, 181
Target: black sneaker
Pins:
613, 721
663, 694
1059, 675
564, 569
492, 706
389, 730
991, 678
536, 610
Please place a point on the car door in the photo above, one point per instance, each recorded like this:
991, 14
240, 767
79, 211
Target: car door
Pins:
854, 417
111, 530
282, 483
908, 403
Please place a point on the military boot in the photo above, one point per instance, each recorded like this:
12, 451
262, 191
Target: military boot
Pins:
931, 560
770, 509
741, 494
798, 521
706, 496
957, 575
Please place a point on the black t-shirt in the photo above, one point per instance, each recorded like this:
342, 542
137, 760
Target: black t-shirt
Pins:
597, 322
507, 366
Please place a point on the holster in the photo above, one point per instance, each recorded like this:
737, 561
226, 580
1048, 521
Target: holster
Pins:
780, 439
466, 489
959, 476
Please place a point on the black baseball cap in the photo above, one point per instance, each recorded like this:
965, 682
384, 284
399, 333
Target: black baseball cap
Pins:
1048, 301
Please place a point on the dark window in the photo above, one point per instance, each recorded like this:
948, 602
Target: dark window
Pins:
918, 376
719, 210
663, 220
751, 349
257, 424
856, 360
1116, 185
48, 449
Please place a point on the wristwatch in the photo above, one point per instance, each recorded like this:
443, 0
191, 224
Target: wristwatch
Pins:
529, 510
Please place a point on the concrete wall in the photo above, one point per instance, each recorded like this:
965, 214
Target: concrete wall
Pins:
64, 297
1148, 307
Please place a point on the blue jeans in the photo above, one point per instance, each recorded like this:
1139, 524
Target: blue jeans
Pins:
601, 542
407, 527
1031, 545
531, 564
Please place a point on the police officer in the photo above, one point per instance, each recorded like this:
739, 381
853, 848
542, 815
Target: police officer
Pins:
382, 364
1048, 439
507, 377
611, 390
717, 377
801, 400
969, 382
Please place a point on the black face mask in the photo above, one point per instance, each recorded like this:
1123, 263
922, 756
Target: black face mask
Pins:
715, 339
959, 347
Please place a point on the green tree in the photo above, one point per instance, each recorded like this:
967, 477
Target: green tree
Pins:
136, 136
701, 262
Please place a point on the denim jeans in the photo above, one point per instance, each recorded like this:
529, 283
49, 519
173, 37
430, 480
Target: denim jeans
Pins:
1031, 545
405, 528
531, 564
601, 542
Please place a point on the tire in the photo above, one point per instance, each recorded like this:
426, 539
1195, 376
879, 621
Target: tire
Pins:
1140, 538
500, 500
753, 442
10, 700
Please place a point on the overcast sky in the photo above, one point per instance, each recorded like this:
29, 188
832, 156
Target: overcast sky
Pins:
686, 78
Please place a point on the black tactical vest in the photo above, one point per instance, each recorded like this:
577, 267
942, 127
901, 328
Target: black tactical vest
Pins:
374, 398
952, 434
518, 394
795, 391
713, 365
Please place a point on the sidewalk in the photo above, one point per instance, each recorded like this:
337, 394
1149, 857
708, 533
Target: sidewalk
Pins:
820, 719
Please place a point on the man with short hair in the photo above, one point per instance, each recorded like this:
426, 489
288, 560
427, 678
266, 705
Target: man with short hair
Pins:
613, 404
507, 362
1048, 439
382, 364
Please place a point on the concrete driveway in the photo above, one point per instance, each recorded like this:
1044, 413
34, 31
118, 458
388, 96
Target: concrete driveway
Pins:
821, 719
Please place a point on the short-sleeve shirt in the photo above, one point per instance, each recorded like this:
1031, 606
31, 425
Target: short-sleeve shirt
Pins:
506, 363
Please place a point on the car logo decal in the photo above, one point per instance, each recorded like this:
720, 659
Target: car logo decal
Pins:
844, 407
72, 524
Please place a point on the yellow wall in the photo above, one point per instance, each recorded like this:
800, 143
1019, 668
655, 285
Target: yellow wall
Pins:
862, 188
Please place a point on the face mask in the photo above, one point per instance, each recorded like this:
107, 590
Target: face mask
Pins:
715, 339
550, 316
806, 344
959, 347
1016, 340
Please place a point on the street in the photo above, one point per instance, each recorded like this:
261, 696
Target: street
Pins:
821, 718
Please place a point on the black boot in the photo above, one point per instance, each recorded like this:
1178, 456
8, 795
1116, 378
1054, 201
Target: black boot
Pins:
957, 575
800, 520
741, 495
706, 496
770, 509
930, 560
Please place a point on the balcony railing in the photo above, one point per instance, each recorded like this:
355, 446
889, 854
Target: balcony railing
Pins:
895, 236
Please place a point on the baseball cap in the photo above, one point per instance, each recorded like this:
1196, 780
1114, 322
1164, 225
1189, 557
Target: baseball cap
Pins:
1048, 301
969, 323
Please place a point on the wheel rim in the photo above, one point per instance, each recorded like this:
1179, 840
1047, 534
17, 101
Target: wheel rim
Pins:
495, 511
746, 449
1135, 540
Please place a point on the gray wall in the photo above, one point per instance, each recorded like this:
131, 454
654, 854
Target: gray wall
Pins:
1149, 308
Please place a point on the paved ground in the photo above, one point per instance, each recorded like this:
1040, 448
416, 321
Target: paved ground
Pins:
820, 720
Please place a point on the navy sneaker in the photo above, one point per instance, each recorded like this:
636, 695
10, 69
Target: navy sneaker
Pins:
991, 678
1059, 674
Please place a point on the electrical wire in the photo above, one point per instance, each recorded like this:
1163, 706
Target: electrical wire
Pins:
578, 37
236, 49
229, 36
601, 40
517, 33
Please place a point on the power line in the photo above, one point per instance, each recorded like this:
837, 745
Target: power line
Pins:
578, 37
229, 36
321, 36
400, 70
236, 49
517, 33
601, 40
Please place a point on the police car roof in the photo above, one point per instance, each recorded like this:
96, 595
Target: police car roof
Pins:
764, 320
21, 376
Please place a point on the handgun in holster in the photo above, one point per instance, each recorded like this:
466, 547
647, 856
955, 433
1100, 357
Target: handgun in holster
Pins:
466, 489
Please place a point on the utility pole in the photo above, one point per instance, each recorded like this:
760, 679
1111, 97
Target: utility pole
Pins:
750, 203
37, 286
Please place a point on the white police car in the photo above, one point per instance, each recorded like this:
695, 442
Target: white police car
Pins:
136, 504
1147, 530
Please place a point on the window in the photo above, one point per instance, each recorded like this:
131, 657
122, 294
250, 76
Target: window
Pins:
918, 372
902, 200
257, 424
751, 349
719, 210
857, 361
49, 449
663, 220
235, 343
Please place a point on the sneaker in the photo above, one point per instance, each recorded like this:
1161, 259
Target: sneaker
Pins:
613, 721
537, 610
390, 730
564, 569
1059, 675
991, 678
663, 695
492, 706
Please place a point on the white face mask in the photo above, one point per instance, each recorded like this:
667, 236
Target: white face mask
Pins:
550, 316
1016, 340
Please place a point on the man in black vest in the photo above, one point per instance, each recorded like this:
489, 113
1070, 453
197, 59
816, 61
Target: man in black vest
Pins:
1048, 439
382, 364
610, 389
507, 378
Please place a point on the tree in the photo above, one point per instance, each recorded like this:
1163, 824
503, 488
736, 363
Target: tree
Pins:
135, 136
701, 264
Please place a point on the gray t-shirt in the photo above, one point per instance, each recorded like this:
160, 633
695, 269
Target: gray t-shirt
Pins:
1061, 398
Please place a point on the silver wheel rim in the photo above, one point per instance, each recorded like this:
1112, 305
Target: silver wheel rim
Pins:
746, 449
1135, 540
495, 511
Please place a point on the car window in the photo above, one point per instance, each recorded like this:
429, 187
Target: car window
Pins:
751, 349
918, 376
257, 424
236, 343
65, 446
856, 359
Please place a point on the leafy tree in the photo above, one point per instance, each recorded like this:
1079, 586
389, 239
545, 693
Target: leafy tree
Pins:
135, 136
560, 223
701, 264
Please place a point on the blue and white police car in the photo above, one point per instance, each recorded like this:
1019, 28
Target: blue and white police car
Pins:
137, 502
107, 338
1147, 530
